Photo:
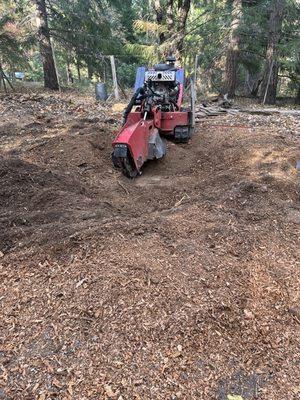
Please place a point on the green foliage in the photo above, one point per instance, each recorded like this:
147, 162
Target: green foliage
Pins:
35, 72
290, 45
85, 32
126, 73
16, 37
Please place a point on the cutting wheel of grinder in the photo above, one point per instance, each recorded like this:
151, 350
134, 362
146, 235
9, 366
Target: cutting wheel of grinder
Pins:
128, 168
126, 164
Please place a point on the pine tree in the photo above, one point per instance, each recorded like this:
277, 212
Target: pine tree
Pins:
270, 76
50, 76
233, 49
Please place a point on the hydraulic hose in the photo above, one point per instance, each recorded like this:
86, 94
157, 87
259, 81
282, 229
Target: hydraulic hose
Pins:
140, 91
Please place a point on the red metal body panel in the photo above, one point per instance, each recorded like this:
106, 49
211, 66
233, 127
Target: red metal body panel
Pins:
136, 137
136, 131
169, 121
133, 117
165, 122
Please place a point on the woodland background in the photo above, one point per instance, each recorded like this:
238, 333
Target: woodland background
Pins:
239, 47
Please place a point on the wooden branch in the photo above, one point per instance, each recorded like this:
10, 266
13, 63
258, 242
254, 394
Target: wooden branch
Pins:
3, 77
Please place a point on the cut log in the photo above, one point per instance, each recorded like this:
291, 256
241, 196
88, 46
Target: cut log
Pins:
270, 111
211, 111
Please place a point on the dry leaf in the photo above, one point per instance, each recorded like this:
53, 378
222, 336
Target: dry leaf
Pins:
109, 391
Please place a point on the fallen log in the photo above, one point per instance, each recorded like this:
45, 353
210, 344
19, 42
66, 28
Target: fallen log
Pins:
270, 111
212, 111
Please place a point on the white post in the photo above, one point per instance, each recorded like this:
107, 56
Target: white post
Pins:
268, 83
195, 76
55, 65
114, 76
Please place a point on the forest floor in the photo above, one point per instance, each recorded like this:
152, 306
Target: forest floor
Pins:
180, 284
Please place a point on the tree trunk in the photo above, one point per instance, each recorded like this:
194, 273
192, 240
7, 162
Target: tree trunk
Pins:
166, 13
90, 71
297, 99
252, 83
233, 50
184, 8
247, 85
159, 19
2, 79
78, 69
70, 78
270, 76
170, 16
50, 76
170, 19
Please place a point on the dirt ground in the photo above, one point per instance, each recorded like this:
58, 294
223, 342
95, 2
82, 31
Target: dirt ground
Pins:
181, 284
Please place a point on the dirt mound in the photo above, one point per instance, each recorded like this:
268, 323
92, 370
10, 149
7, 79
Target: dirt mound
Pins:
24, 184
31, 196
180, 284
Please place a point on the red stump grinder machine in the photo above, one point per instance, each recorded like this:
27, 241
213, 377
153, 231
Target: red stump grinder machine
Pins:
158, 112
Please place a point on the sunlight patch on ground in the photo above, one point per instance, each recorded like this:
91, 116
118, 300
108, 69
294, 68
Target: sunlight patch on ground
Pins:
119, 107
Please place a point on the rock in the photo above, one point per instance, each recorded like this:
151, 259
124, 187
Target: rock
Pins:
1, 254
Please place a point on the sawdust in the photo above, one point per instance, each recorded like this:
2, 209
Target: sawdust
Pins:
178, 285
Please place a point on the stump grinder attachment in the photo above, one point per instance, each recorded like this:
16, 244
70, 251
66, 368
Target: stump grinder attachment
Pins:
157, 113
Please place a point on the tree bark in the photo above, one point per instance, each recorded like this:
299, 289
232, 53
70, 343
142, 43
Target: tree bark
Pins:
183, 12
159, 12
297, 99
170, 27
70, 78
270, 75
174, 16
170, 18
252, 83
50, 76
78, 70
233, 50
90, 71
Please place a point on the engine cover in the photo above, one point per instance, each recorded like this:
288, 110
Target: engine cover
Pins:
160, 76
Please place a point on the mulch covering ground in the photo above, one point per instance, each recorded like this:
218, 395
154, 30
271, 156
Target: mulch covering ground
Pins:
181, 284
